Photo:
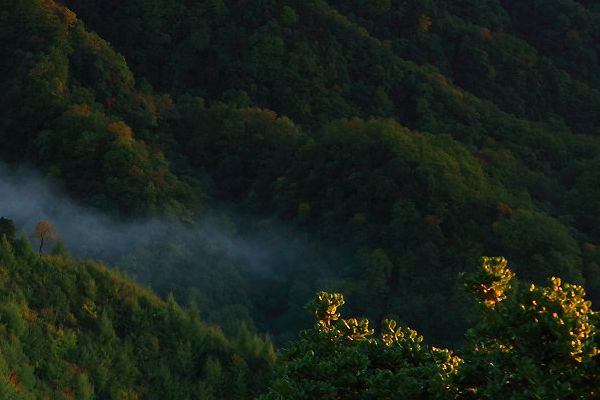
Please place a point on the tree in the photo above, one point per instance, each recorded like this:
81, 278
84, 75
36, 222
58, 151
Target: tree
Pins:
531, 343
44, 230
342, 359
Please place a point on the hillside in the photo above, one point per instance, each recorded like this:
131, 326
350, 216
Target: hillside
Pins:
73, 329
399, 140
316, 61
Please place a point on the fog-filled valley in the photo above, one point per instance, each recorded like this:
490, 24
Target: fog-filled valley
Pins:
179, 178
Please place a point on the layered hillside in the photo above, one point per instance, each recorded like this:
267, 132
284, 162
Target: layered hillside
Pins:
400, 140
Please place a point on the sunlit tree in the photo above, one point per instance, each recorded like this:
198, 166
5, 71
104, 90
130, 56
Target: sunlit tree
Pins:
531, 343
44, 231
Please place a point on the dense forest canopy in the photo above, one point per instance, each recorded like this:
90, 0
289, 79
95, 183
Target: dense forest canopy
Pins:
375, 148
74, 329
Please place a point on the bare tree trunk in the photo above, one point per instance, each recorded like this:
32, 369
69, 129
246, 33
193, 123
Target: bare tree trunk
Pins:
41, 244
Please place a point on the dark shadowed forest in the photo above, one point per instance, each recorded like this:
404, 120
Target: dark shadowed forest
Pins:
222, 161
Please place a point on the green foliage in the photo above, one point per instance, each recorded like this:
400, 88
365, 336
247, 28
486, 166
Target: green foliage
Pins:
490, 284
340, 360
71, 329
325, 306
539, 342
72, 108
534, 343
400, 139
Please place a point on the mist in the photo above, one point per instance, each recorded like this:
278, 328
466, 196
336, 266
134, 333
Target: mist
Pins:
27, 198
211, 258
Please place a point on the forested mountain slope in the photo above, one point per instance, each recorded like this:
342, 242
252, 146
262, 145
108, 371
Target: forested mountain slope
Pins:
400, 139
66, 93
74, 329
316, 61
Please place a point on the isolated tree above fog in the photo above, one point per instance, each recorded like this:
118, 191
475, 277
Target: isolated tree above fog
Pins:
44, 231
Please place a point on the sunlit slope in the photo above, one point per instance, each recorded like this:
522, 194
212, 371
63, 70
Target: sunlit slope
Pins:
75, 330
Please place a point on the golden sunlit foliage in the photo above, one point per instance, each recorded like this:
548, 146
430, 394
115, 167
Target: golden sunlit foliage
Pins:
539, 342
